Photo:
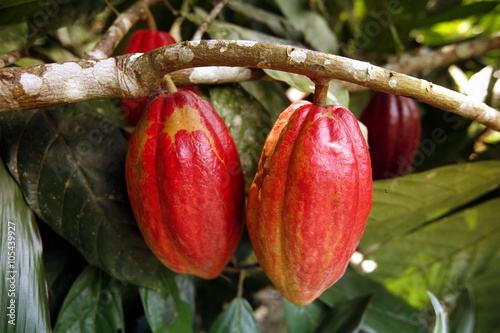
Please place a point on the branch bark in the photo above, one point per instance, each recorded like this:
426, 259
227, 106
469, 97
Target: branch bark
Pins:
137, 75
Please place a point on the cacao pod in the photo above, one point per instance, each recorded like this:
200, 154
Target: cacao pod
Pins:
185, 184
310, 199
143, 41
394, 128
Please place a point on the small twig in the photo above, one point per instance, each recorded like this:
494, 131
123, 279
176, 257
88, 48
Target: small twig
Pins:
320, 91
168, 84
239, 293
122, 24
110, 5
213, 14
150, 19
11, 57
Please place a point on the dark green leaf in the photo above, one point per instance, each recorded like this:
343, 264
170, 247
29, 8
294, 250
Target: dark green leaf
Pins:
346, 317
93, 304
237, 318
463, 316
458, 12
23, 292
248, 122
386, 312
171, 309
303, 319
271, 95
405, 203
70, 167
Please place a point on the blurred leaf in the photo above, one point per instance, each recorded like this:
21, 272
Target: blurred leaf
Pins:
478, 84
23, 292
171, 309
70, 167
402, 204
463, 316
346, 316
238, 317
457, 12
303, 319
271, 95
248, 122
441, 325
312, 25
442, 255
224, 30
337, 95
386, 312
484, 288
94, 304
277, 24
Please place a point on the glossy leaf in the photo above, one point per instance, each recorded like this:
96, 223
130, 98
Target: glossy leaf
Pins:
405, 203
171, 309
303, 319
386, 312
70, 167
441, 255
271, 95
93, 304
238, 317
346, 317
23, 291
248, 122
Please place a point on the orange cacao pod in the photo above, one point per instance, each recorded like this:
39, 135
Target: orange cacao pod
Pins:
394, 128
185, 184
143, 41
310, 199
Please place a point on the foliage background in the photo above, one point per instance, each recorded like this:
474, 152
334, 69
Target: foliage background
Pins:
433, 234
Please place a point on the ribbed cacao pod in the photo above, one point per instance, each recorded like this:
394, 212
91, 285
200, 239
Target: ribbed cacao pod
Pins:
185, 184
143, 41
310, 199
394, 128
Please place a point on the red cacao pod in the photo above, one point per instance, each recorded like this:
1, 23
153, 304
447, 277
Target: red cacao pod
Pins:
310, 199
143, 41
394, 128
185, 184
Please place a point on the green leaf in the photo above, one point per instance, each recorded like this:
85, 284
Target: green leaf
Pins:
337, 95
441, 256
457, 12
271, 95
312, 25
237, 318
248, 121
303, 319
441, 325
170, 309
276, 23
405, 203
484, 288
93, 304
346, 317
23, 292
463, 315
386, 312
70, 167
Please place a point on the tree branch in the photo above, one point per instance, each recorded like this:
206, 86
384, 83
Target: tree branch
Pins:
136, 75
425, 58
119, 28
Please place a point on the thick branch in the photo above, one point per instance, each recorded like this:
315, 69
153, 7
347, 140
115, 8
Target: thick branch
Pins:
139, 75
